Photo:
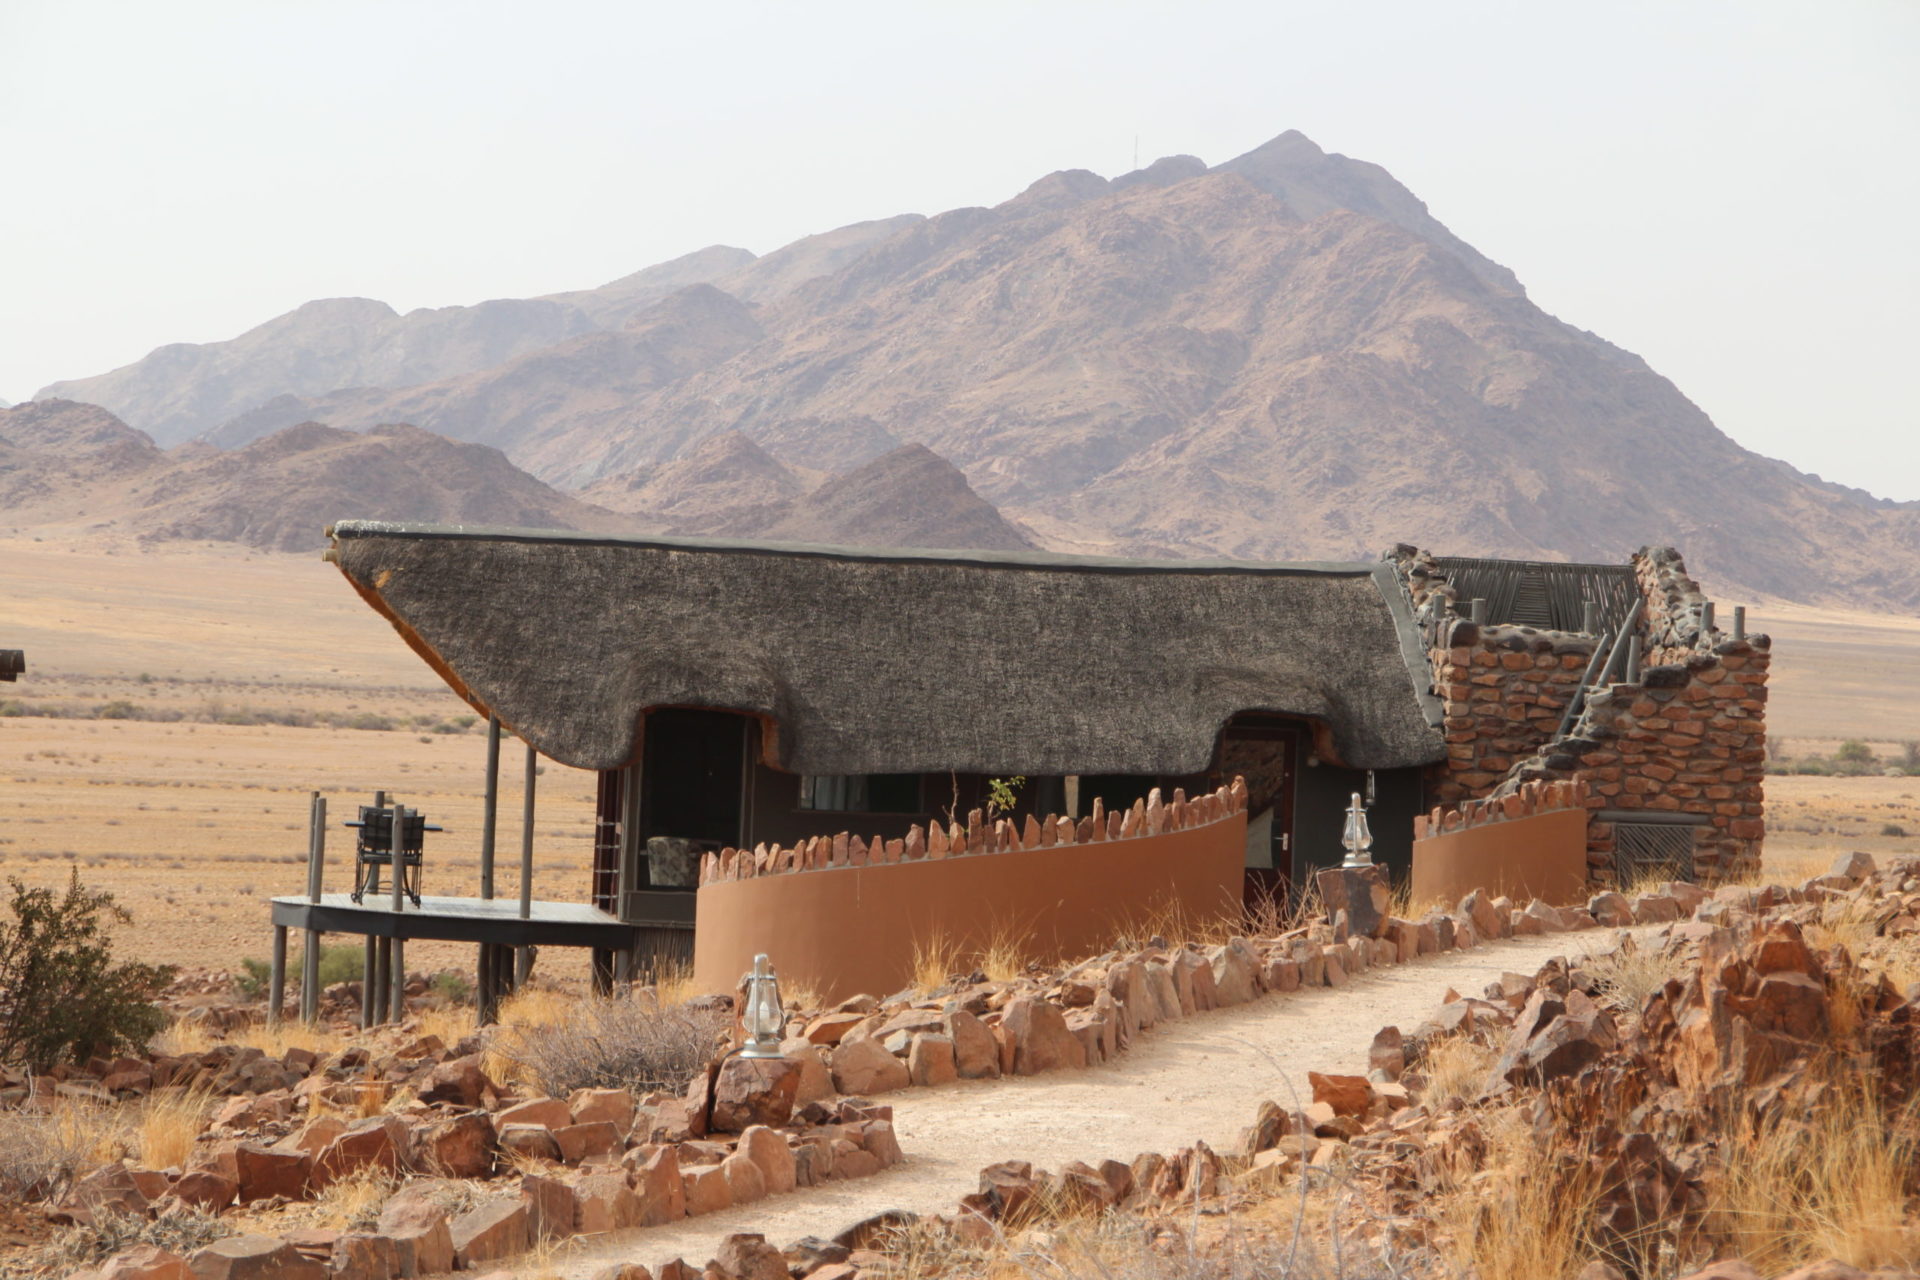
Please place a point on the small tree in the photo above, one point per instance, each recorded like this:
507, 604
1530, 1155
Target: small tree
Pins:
61, 993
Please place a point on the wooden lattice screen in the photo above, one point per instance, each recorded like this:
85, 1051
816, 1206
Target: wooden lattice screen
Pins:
1541, 593
1652, 851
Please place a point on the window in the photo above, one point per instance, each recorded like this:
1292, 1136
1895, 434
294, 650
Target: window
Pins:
861, 792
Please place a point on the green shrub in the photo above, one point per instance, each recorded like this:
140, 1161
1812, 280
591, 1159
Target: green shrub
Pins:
251, 981
1854, 751
452, 986
117, 710
344, 963
61, 993
1895, 830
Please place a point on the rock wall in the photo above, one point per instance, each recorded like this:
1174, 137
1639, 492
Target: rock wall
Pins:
1688, 737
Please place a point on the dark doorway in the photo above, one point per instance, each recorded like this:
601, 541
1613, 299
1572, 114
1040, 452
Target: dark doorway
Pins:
690, 775
1265, 750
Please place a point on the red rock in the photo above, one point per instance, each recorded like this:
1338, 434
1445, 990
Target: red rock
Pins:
770, 1154
930, 1059
313, 1136
706, 1189
864, 1067
1610, 910
976, 1055
1731, 1269
253, 1258
604, 1202
373, 1143
459, 1146
496, 1228
1831, 1269
263, 1172
1387, 1053
361, 1256
744, 1178
419, 1227
204, 1189
530, 1141
460, 1082
752, 1091
548, 1113
611, 1106
750, 1257
144, 1262
1347, 1095
1040, 1036
579, 1142
110, 1189
661, 1193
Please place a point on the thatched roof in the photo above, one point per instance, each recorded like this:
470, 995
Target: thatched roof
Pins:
900, 661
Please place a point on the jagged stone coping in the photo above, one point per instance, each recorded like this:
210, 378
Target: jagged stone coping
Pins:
1529, 799
1149, 817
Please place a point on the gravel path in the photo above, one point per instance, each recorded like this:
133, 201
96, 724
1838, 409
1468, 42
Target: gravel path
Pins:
1200, 1077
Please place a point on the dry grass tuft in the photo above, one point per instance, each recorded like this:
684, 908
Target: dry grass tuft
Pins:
181, 1231
184, 1039
170, 1121
1797, 1189
1457, 1069
353, 1203
1520, 1218
936, 960
1630, 974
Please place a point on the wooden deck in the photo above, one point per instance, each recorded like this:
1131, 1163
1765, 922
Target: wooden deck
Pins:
494, 921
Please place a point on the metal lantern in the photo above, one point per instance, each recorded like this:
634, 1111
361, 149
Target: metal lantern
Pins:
1357, 838
763, 1018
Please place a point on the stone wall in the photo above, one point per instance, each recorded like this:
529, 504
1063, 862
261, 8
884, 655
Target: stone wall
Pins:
1689, 737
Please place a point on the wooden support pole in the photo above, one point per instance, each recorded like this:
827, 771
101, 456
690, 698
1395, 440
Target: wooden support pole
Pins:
397, 999
396, 846
369, 964
277, 976
1740, 622
484, 1012
310, 952
489, 813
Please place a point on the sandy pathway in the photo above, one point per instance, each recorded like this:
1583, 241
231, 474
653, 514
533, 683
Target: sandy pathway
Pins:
1200, 1077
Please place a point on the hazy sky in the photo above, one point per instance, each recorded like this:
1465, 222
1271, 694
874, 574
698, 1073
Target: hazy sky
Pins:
1729, 189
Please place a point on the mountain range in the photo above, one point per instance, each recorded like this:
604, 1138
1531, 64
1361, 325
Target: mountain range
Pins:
1282, 356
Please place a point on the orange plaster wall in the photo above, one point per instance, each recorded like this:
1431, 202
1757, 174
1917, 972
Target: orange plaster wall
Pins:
845, 930
1544, 856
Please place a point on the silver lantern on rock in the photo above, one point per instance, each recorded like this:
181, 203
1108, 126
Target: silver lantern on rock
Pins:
1357, 838
763, 1018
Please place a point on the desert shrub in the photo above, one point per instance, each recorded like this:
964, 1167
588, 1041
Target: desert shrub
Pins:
178, 1231
43, 1151
630, 1042
1853, 751
251, 981
120, 709
369, 720
451, 986
61, 991
1895, 830
343, 963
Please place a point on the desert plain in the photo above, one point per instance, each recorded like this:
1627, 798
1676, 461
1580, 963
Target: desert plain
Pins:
241, 682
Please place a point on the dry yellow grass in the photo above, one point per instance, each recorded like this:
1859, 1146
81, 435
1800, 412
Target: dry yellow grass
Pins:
1518, 1218
170, 1120
1832, 1185
935, 960
353, 1203
1457, 1068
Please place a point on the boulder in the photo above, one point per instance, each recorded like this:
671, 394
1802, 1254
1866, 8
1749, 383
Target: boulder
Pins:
581, 1142
770, 1154
1388, 1053
205, 1189
361, 1256
930, 1059
864, 1067
705, 1189
1361, 892
144, 1262
604, 1202
548, 1113
752, 1091
744, 1178
460, 1082
1729, 1269
550, 1206
263, 1172
530, 1141
816, 1078
611, 1106
1236, 971
750, 1257
374, 1143
1610, 910
1855, 866
976, 1055
1347, 1095
1040, 1037
459, 1146
418, 1225
496, 1228
253, 1257
109, 1189
662, 1196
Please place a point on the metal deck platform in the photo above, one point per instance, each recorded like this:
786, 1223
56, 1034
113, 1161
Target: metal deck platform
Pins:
496, 921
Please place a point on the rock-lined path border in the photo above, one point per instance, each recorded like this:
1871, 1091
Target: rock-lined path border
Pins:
1195, 1078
